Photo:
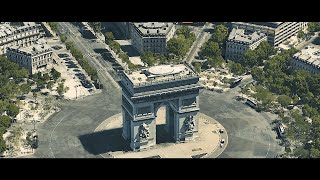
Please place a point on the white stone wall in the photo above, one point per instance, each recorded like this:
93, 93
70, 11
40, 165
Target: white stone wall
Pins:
31, 62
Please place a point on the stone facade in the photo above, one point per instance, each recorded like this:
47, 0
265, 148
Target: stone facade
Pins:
177, 88
239, 42
34, 58
23, 36
277, 32
151, 36
307, 59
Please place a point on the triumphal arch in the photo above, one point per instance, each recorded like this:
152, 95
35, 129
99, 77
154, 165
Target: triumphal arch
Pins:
144, 91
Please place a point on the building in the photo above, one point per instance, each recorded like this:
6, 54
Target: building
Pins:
307, 59
25, 35
145, 91
151, 36
277, 32
35, 58
240, 41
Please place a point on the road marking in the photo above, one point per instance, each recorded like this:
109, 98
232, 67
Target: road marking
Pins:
55, 129
268, 150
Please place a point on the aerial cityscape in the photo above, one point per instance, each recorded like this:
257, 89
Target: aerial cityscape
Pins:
159, 89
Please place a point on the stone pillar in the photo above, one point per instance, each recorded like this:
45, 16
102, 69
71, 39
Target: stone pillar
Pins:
186, 126
143, 134
125, 124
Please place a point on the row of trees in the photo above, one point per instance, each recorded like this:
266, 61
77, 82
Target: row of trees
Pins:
214, 48
83, 62
180, 45
96, 26
115, 46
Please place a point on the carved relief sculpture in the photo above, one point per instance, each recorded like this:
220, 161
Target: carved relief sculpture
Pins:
189, 124
144, 132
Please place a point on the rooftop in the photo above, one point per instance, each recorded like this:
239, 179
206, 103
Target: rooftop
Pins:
7, 29
154, 28
33, 49
239, 35
269, 25
160, 73
310, 55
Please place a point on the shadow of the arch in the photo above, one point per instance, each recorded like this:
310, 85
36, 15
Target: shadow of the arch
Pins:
111, 140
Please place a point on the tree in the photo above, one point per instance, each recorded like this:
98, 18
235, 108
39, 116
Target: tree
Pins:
236, 68
35, 95
210, 49
96, 26
108, 37
12, 110
149, 58
300, 34
197, 67
314, 153
60, 89
115, 46
220, 34
55, 74
5, 121
284, 100
258, 74
50, 85
178, 46
309, 111
46, 77
63, 38
3, 146
250, 58
314, 26
25, 88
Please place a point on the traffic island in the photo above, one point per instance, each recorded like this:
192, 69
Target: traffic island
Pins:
208, 144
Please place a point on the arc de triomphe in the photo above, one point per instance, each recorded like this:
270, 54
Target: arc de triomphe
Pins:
144, 91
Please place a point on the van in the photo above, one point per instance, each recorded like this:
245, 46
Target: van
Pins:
281, 130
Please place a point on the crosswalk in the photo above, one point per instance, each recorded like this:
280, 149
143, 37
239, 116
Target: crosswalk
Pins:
89, 55
104, 69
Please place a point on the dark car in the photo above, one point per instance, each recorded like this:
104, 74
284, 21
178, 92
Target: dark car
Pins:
63, 55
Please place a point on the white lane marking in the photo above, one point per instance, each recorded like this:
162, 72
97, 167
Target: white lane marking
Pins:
55, 129
268, 150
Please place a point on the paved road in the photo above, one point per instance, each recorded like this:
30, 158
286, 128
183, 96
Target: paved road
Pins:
86, 47
202, 37
70, 132
62, 135
249, 132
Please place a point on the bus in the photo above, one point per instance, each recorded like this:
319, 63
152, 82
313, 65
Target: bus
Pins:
252, 103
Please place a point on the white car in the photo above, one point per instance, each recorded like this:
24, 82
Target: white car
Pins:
221, 145
222, 141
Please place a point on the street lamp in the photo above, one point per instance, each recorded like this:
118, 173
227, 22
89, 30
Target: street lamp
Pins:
76, 86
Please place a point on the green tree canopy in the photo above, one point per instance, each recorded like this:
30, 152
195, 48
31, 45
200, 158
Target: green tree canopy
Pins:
220, 34
5, 121
108, 37
12, 110
284, 100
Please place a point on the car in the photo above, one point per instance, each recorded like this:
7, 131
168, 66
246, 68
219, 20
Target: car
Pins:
222, 141
221, 145
45, 93
221, 131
